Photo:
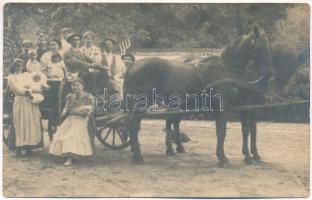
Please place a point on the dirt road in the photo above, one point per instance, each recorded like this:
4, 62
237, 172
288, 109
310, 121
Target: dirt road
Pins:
284, 171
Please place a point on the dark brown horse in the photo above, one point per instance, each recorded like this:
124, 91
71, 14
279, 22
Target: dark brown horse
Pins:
248, 59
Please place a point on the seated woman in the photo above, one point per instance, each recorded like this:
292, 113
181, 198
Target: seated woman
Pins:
72, 138
26, 115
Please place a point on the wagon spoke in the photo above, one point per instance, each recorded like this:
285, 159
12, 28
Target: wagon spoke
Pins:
119, 134
102, 128
122, 141
110, 129
124, 136
114, 132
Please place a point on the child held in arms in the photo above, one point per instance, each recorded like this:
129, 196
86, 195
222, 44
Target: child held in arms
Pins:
36, 88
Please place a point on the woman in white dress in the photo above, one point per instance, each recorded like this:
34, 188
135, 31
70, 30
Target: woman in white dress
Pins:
72, 139
26, 115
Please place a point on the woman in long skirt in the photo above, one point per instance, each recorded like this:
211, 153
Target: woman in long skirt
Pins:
26, 115
72, 138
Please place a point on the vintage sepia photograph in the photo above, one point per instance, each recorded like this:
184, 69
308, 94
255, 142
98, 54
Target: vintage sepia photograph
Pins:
171, 100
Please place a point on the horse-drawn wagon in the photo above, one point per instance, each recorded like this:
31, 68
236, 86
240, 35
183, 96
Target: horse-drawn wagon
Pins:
110, 128
239, 75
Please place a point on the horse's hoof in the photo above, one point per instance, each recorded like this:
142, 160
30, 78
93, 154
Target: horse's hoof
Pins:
180, 150
256, 158
248, 160
170, 153
138, 160
224, 163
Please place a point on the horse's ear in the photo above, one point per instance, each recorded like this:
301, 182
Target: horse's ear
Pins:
256, 29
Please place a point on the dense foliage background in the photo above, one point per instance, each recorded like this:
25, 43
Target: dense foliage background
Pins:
175, 26
162, 25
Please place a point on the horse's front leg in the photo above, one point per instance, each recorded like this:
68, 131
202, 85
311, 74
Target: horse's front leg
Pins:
134, 138
221, 133
253, 143
169, 149
177, 136
245, 132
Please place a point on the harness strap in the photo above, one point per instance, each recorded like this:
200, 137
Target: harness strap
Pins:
199, 76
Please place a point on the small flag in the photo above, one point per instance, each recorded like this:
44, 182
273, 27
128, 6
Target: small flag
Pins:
124, 46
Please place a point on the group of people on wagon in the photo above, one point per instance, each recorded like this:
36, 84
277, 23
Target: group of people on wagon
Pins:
58, 59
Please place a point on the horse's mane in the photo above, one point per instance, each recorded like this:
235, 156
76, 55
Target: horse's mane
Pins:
236, 49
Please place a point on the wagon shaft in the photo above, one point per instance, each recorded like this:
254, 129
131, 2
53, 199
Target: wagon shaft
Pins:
110, 118
163, 114
254, 107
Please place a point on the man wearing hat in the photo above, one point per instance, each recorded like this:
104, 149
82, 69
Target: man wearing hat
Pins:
42, 46
65, 32
128, 59
77, 62
74, 58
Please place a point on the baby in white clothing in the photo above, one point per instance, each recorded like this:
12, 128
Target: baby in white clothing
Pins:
37, 86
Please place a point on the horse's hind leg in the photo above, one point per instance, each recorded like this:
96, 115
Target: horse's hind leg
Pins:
177, 136
169, 149
245, 131
135, 146
253, 143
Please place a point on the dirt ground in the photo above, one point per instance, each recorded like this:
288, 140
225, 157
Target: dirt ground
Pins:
284, 171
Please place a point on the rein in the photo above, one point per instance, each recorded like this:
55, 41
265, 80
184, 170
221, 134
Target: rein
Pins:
224, 68
248, 86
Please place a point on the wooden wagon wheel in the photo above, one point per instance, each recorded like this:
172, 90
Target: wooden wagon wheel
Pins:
8, 134
8, 98
114, 137
52, 127
6, 130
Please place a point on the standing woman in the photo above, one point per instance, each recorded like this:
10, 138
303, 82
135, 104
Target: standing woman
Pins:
89, 49
26, 115
72, 139
45, 60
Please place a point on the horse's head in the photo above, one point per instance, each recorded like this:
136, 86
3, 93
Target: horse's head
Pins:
260, 50
250, 52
